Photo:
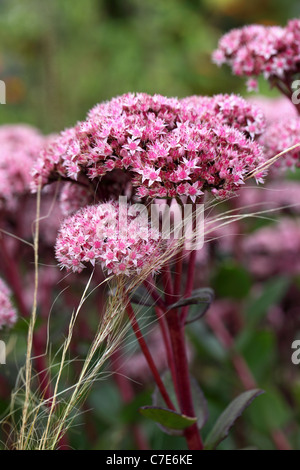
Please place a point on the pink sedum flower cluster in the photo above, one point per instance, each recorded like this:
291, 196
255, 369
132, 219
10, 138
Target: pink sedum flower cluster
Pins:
232, 110
98, 234
279, 136
168, 148
20, 146
277, 195
8, 315
274, 249
253, 50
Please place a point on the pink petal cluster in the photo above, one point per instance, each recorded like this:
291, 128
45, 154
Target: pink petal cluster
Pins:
98, 234
8, 315
232, 110
256, 49
51, 157
279, 136
19, 148
168, 150
274, 249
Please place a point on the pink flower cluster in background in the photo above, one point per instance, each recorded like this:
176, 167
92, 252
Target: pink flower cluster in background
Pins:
256, 49
274, 249
283, 196
279, 136
20, 146
8, 315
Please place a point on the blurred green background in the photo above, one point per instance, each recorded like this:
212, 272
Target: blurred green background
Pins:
60, 57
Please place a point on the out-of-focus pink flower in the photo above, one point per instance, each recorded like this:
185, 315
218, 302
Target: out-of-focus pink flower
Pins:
19, 148
274, 108
274, 249
8, 315
98, 234
168, 149
252, 85
283, 196
253, 50
279, 136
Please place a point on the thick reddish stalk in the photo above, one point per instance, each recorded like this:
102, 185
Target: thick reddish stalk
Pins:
178, 274
189, 283
183, 379
147, 355
160, 310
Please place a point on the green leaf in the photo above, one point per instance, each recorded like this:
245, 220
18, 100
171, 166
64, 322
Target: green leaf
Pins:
168, 418
232, 281
271, 412
201, 298
272, 294
199, 401
229, 416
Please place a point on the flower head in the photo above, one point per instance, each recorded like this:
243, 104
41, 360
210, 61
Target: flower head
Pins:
168, 147
279, 136
19, 148
274, 249
8, 315
255, 50
121, 242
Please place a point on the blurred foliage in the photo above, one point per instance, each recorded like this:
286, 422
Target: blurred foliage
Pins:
59, 58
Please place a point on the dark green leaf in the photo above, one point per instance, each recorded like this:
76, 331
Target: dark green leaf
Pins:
229, 416
200, 404
168, 418
232, 281
200, 298
272, 294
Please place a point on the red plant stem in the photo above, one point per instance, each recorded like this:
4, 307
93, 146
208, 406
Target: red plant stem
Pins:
176, 330
182, 378
168, 346
189, 283
178, 274
154, 294
280, 440
147, 354
160, 310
